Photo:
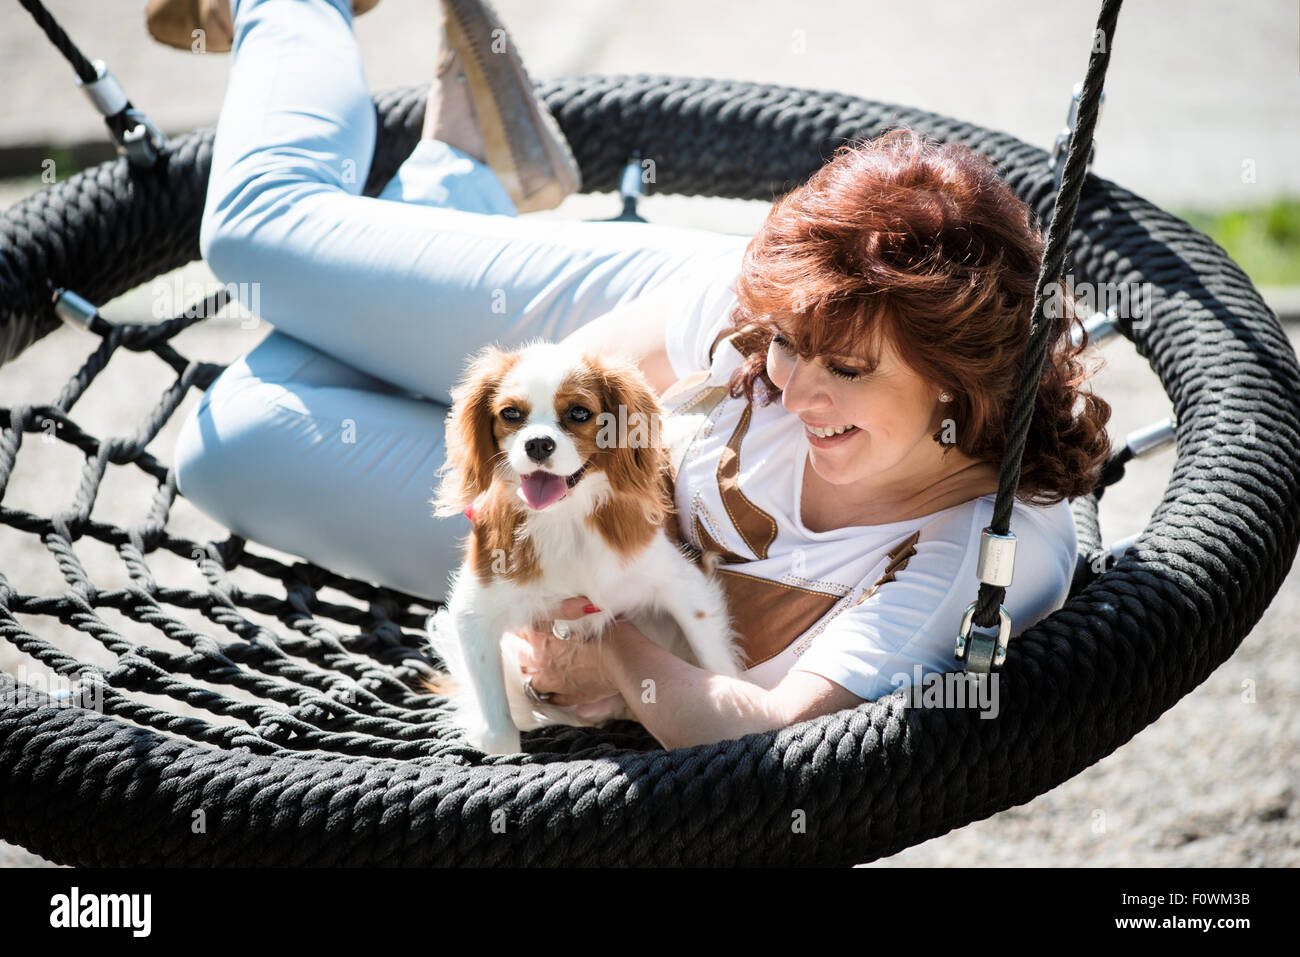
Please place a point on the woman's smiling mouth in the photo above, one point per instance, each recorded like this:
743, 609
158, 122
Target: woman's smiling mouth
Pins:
824, 437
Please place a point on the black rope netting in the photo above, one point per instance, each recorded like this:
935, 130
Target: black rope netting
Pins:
340, 761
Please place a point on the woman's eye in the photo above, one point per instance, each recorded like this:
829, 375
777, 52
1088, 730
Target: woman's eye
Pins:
511, 414
843, 373
579, 414
782, 343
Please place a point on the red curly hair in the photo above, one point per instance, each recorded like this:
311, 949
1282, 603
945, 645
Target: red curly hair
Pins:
923, 243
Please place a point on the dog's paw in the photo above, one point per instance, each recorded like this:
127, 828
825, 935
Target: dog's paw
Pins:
489, 741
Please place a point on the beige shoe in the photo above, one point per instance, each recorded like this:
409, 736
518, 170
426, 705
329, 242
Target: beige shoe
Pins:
174, 23
449, 113
522, 141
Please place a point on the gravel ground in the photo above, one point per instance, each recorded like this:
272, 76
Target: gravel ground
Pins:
1221, 76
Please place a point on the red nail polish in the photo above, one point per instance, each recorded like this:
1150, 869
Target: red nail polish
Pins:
589, 609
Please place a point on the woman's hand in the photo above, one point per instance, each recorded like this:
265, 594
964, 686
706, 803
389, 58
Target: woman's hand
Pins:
570, 671
677, 702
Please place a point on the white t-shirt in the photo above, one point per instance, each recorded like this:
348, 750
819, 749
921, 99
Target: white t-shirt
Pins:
869, 603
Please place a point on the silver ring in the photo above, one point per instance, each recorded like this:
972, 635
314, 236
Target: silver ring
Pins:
560, 630
533, 695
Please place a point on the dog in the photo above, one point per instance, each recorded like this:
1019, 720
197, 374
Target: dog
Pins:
561, 461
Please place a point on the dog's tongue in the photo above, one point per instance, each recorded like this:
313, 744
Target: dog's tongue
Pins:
540, 489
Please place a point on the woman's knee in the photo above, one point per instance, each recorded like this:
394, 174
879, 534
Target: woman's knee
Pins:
244, 237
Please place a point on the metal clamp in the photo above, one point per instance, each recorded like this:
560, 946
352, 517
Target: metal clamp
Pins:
1117, 549
1151, 437
1061, 148
997, 564
141, 141
630, 184
1104, 558
630, 188
1100, 326
104, 91
982, 653
997, 560
79, 312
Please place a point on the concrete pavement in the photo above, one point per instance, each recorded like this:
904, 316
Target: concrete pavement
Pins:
1202, 96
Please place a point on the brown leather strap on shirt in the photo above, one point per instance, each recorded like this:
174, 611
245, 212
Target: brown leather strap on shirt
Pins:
769, 615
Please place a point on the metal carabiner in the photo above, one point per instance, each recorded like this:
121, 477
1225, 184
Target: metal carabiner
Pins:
982, 653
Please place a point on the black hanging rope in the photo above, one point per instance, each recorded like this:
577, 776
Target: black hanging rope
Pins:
85, 70
1067, 203
130, 129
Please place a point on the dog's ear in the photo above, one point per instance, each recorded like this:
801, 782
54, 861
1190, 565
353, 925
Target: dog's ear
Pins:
472, 452
636, 457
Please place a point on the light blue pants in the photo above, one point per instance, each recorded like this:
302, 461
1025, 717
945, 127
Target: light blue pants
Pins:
324, 440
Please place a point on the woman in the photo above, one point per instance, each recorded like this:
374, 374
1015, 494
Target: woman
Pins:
852, 365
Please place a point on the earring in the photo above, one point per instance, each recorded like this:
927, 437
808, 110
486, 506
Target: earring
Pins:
945, 397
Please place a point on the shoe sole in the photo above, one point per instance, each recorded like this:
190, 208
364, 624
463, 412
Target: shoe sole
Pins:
536, 165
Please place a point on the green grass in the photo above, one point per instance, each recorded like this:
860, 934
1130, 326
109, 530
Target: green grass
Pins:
1264, 241
66, 166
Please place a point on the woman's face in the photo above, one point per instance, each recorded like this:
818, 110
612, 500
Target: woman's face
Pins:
892, 410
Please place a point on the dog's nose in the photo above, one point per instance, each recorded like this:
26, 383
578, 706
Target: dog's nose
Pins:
539, 449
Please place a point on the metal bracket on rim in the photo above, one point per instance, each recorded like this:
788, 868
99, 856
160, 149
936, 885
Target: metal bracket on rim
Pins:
143, 141
1061, 148
997, 563
983, 653
80, 312
140, 140
630, 188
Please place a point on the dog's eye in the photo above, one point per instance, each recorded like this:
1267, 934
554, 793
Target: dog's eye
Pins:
511, 414
579, 414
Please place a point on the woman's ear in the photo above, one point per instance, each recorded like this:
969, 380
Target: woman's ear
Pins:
470, 432
636, 458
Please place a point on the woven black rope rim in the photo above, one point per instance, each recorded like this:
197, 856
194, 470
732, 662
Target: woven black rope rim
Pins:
83, 788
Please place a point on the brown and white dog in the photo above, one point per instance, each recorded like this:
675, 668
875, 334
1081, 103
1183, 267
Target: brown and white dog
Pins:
560, 461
